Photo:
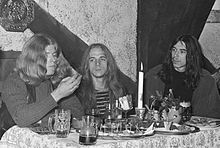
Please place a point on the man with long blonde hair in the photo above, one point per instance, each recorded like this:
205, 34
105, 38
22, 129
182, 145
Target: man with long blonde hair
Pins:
28, 92
101, 83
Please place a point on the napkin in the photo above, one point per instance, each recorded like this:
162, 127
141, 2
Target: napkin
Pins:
150, 130
124, 102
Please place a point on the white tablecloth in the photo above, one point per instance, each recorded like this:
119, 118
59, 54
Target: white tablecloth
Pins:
25, 138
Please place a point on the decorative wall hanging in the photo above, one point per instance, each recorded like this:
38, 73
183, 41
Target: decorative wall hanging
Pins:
15, 15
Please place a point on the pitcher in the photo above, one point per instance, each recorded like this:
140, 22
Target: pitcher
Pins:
59, 123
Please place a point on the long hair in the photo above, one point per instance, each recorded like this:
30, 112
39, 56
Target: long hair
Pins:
64, 69
31, 64
110, 77
193, 62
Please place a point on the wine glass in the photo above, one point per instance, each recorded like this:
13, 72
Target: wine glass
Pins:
126, 112
126, 104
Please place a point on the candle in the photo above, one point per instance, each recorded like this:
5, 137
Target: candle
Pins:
140, 87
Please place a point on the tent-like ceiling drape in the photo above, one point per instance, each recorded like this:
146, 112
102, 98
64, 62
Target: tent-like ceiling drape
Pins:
161, 21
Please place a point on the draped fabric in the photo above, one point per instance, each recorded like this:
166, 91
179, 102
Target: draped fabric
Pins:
161, 21
24, 137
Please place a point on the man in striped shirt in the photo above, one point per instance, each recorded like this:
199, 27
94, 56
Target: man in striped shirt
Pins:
102, 83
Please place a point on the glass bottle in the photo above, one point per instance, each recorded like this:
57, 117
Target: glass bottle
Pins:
107, 118
93, 112
108, 112
97, 119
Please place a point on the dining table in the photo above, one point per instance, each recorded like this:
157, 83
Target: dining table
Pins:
24, 137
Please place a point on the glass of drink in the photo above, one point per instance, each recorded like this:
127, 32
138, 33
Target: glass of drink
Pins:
89, 131
140, 112
186, 111
126, 104
62, 123
51, 122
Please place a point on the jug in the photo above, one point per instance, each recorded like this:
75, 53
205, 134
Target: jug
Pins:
59, 123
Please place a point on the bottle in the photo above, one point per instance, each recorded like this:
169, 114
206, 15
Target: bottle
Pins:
97, 119
108, 112
170, 95
93, 112
107, 118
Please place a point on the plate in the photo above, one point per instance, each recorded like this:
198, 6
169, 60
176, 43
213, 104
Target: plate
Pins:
127, 134
122, 136
203, 122
162, 130
178, 130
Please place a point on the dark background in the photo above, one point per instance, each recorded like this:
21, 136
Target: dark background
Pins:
161, 21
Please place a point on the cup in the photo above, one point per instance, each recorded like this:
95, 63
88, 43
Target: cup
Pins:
186, 114
167, 124
89, 131
59, 123
140, 112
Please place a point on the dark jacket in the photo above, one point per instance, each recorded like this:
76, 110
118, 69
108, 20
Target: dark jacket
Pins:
205, 99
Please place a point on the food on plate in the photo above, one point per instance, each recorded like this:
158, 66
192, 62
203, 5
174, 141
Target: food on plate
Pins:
203, 122
199, 121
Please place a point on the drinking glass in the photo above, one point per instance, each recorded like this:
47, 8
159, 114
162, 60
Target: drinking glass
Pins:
59, 123
186, 114
140, 112
126, 112
167, 124
89, 131
126, 104
51, 122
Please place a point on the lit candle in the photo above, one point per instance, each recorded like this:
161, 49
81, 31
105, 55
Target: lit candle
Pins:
140, 87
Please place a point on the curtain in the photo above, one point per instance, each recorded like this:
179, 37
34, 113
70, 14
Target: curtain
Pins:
161, 21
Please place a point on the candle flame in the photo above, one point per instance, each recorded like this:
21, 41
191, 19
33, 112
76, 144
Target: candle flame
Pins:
142, 67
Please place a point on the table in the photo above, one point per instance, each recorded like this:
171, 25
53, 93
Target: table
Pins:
25, 138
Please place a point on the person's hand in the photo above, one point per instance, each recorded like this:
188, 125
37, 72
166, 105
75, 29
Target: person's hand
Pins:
66, 87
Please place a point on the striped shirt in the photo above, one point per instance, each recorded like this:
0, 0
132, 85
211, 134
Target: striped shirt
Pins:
102, 99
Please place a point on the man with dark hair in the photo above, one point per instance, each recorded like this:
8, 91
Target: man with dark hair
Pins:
182, 72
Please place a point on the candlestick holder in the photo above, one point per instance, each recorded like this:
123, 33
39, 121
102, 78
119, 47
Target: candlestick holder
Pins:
140, 112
